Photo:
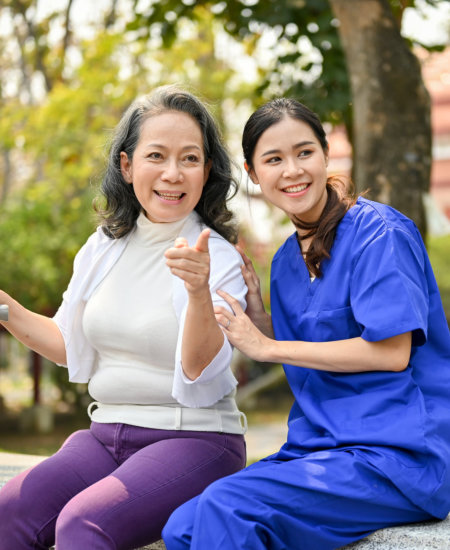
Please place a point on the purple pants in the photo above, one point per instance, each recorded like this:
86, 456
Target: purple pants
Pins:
112, 487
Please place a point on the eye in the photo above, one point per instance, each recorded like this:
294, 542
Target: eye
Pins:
272, 160
155, 155
192, 158
305, 153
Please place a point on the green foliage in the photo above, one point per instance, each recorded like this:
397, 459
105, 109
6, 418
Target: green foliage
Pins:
318, 78
46, 219
438, 250
324, 83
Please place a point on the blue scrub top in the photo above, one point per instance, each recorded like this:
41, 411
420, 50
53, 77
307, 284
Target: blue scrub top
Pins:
377, 283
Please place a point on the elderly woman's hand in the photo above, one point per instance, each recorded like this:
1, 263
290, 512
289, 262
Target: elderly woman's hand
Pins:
192, 264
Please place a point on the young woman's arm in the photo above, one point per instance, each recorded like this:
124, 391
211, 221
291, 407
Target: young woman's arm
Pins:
352, 355
202, 336
37, 332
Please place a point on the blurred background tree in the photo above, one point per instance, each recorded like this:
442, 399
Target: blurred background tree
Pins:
69, 68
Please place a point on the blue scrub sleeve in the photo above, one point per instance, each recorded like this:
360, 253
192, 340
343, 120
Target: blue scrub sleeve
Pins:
389, 291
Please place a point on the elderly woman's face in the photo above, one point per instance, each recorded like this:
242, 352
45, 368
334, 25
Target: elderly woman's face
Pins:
168, 169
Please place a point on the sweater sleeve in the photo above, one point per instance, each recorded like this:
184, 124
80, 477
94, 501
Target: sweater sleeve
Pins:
91, 264
217, 379
63, 317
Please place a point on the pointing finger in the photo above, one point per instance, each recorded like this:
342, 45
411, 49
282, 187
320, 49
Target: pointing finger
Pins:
202, 242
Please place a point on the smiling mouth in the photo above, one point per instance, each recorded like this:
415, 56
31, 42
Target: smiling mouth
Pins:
170, 196
295, 188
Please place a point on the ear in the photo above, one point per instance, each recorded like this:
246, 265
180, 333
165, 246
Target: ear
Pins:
251, 173
206, 171
125, 167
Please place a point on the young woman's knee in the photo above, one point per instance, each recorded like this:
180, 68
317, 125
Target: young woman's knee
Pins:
178, 529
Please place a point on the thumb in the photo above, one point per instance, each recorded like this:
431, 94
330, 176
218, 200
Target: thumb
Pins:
202, 242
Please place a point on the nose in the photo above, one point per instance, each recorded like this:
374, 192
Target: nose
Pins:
172, 172
292, 168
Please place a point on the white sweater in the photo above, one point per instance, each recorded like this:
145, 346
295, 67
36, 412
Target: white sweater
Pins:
131, 323
213, 388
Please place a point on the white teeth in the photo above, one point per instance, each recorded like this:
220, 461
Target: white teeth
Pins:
295, 188
169, 196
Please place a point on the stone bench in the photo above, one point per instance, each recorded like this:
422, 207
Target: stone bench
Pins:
430, 535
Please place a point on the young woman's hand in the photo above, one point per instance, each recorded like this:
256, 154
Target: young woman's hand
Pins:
240, 330
255, 305
192, 264
352, 355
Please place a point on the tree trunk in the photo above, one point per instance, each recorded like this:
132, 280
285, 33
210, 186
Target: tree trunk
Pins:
391, 107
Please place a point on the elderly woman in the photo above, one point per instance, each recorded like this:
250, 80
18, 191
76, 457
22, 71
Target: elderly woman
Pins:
137, 322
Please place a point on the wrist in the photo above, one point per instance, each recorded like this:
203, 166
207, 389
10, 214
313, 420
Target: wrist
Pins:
5, 299
270, 351
262, 349
264, 323
199, 296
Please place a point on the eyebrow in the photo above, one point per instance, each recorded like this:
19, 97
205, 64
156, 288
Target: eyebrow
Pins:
296, 146
161, 146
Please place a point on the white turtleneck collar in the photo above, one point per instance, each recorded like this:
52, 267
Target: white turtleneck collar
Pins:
149, 233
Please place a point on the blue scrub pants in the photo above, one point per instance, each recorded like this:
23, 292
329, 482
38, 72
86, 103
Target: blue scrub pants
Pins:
321, 501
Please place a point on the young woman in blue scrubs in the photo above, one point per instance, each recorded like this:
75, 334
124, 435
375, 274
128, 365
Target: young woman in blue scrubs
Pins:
358, 324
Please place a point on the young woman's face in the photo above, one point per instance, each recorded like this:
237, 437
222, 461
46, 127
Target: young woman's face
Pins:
168, 169
291, 167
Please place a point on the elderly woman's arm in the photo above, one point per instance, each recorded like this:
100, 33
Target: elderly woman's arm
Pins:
37, 332
202, 336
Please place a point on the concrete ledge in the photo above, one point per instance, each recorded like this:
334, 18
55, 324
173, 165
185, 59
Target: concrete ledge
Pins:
12, 464
429, 535
159, 545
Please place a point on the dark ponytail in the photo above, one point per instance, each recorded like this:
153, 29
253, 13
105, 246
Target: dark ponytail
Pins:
340, 198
